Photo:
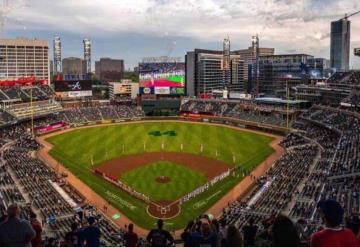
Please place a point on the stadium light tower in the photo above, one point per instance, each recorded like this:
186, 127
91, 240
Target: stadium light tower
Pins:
226, 61
87, 55
57, 55
255, 54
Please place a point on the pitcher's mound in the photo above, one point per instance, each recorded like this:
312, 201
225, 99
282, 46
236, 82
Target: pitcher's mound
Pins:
163, 180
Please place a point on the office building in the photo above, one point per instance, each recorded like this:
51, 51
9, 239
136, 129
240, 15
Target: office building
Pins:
24, 58
126, 89
107, 69
73, 68
340, 45
277, 71
249, 55
319, 68
205, 72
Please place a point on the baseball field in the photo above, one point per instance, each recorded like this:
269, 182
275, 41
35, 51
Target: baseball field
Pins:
163, 161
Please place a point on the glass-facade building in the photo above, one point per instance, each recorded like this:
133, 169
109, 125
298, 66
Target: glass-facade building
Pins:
340, 45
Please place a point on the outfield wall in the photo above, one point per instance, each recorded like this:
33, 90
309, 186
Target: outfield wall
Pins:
273, 129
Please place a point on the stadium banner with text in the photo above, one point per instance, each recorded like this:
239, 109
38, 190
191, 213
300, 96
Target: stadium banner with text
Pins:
161, 76
162, 90
74, 94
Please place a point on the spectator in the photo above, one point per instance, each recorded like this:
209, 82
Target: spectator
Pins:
14, 231
186, 235
207, 236
72, 238
91, 234
36, 225
159, 237
249, 232
222, 232
284, 233
233, 237
333, 235
130, 237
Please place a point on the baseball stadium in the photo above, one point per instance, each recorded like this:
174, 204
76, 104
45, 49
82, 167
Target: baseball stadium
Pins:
123, 168
236, 162
170, 170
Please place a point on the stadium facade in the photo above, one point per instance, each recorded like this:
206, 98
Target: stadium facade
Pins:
340, 44
205, 73
108, 69
24, 58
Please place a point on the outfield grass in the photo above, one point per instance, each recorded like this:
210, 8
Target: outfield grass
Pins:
183, 180
76, 148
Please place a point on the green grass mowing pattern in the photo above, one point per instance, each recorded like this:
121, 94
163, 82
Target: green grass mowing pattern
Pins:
183, 180
74, 149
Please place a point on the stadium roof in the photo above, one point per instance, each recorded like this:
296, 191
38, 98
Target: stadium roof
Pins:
270, 100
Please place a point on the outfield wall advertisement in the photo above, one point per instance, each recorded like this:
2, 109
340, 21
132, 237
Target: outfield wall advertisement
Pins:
162, 78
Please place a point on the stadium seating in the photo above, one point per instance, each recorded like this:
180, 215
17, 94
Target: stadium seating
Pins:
321, 161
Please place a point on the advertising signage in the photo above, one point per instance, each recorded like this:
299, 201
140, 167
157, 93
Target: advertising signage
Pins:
161, 78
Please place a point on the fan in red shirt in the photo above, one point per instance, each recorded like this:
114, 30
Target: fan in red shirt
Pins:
131, 238
333, 235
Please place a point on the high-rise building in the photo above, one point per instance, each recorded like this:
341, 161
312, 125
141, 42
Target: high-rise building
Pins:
57, 55
24, 58
340, 45
205, 72
73, 68
87, 55
107, 69
276, 71
249, 55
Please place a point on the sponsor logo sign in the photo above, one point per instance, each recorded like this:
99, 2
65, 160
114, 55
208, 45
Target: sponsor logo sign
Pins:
162, 90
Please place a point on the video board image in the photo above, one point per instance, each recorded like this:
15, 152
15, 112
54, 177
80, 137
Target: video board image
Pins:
162, 78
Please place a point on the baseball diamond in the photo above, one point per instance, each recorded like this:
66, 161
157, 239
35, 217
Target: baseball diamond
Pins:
170, 170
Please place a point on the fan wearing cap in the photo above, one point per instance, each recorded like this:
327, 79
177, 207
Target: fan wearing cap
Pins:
333, 235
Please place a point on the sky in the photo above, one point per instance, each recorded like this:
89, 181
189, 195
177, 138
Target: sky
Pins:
133, 29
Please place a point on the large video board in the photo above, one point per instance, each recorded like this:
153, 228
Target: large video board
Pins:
162, 78
72, 89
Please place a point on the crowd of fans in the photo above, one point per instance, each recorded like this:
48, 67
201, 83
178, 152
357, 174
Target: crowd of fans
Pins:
315, 184
247, 110
98, 113
349, 78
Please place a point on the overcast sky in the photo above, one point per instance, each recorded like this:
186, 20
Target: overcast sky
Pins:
132, 29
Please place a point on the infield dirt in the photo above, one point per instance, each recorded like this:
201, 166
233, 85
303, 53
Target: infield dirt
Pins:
209, 167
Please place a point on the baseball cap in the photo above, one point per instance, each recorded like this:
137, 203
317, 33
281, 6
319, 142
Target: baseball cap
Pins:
332, 211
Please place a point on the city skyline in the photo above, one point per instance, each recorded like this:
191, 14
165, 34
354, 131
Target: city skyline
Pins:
131, 30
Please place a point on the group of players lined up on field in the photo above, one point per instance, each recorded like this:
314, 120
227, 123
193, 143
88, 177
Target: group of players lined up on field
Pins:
204, 187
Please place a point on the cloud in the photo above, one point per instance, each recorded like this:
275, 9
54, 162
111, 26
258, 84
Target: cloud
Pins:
284, 24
